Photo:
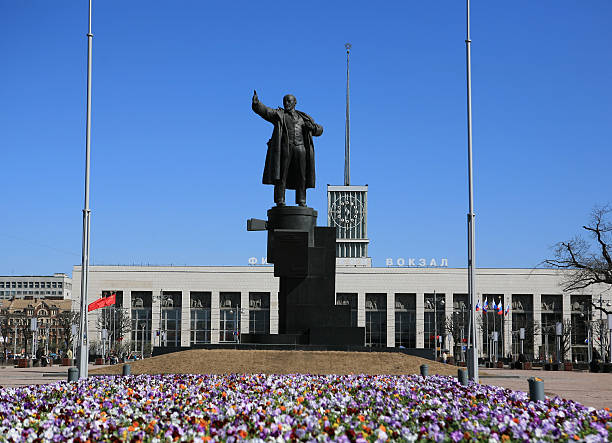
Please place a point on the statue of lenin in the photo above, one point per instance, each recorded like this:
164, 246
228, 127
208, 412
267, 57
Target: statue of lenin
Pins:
290, 157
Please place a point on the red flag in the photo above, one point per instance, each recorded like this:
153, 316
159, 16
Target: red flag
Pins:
110, 300
99, 303
102, 303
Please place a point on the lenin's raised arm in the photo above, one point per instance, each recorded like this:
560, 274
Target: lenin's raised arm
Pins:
263, 111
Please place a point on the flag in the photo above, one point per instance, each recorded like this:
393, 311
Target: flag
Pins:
102, 303
494, 305
478, 306
500, 309
485, 305
507, 309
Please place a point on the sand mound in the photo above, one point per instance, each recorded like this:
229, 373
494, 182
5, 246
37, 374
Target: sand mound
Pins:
202, 361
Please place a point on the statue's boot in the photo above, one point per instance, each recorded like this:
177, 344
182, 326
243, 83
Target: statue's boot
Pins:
279, 194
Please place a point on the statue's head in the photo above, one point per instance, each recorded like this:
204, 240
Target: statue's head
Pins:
289, 102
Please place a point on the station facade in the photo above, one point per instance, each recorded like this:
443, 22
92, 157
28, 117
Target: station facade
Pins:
397, 306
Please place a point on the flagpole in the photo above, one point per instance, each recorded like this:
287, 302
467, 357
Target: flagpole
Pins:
83, 341
473, 351
347, 138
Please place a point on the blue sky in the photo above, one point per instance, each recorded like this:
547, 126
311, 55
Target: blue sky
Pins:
177, 153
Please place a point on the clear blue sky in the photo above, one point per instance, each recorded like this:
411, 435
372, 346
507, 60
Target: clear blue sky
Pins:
177, 153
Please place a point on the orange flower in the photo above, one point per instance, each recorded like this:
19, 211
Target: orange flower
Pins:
361, 418
242, 433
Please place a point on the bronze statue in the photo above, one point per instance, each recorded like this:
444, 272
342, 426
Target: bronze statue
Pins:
290, 157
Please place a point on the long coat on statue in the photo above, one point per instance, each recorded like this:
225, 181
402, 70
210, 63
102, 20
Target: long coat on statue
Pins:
278, 147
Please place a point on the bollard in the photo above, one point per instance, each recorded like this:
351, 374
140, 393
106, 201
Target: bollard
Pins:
462, 376
536, 389
73, 374
424, 370
126, 369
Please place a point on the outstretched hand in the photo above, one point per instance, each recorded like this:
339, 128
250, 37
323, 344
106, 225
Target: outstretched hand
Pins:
255, 98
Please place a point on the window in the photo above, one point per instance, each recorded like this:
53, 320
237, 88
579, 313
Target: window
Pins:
141, 320
405, 320
54, 284
1, 284
552, 313
36, 284
493, 325
350, 300
19, 284
48, 284
581, 320
229, 321
200, 303
376, 320
13, 284
259, 312
522, 317
30, 284
170, 327
434, 319
59, 284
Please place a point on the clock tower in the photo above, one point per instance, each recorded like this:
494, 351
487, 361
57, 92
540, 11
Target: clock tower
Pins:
347, 206
347, 211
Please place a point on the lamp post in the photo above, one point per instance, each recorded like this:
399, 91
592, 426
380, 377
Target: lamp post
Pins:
143, 325
436, 324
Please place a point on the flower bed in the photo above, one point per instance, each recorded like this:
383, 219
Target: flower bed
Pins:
284, 407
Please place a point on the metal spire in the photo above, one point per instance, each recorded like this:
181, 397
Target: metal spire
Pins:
347, 137
83, 340
473, 349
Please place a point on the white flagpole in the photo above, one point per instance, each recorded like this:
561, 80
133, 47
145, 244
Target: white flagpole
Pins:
473, 350
83, 340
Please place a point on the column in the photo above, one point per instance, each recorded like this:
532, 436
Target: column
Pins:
390, 319
537, 318
244, 312
186, 318
507, 325
567, 318
274, 312
447, 342
214, 317
420, 320
361, 317
127, 309
156, 295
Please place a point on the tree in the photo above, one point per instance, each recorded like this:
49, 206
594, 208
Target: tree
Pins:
65, 321
5, 328
588, 261
115, 320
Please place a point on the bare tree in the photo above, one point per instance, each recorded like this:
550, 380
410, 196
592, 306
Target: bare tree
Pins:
569, 330
5, 328
601, 335
65, 321
589, 260
115, 320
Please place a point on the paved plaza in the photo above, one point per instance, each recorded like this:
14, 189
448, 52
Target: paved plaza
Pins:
584, 387
11, 376
589, 389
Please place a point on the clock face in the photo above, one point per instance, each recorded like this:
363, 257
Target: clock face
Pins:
347, 212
